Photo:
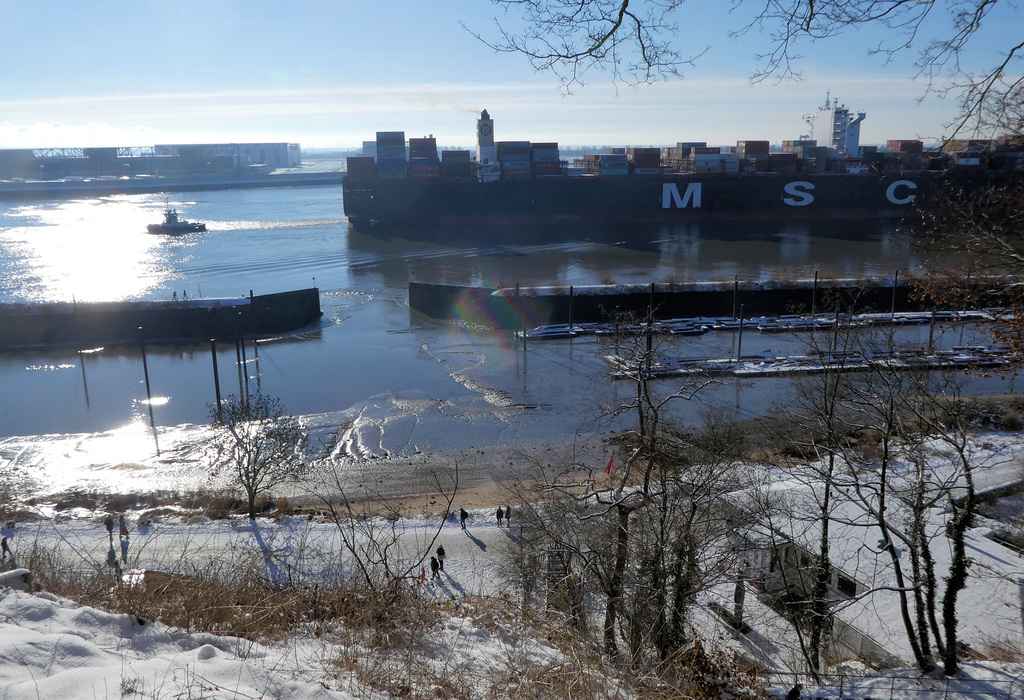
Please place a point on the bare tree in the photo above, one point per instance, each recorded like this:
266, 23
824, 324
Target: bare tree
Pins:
876, 403
259, 445
637, 350
647, 537
566, 37
938, 414
812, 439
378, 542
940, 60
974, 236
638, 41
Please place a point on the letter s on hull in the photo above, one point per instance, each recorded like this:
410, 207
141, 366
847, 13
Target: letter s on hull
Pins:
799, 196
670, 196
890, 192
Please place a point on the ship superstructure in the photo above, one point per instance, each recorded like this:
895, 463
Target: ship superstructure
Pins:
835, 126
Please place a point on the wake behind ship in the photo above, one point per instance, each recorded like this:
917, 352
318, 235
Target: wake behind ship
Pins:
523, 183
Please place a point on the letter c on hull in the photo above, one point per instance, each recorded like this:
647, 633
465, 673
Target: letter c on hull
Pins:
800, 197
890, 192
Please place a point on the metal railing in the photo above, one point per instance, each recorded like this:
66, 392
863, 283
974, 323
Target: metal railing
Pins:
890, 687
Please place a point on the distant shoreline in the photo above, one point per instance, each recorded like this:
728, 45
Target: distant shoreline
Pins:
11, 190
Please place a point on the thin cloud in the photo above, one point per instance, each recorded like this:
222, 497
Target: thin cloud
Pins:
719, 110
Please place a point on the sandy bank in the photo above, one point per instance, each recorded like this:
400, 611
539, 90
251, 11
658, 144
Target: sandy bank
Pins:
418, 484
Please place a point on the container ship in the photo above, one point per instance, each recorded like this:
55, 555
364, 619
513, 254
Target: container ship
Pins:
411, 183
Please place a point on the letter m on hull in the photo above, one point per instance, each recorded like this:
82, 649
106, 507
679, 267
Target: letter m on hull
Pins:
670, 196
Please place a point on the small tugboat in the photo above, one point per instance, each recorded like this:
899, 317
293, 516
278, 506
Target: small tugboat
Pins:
174, 225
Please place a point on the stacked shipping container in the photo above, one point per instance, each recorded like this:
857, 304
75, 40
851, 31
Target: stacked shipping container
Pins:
423, 161
456, 165
391, 163
362, 167
747, 149
514, 159
614, 162
797, 145
545, 159
522, 159
644, 161
904, 146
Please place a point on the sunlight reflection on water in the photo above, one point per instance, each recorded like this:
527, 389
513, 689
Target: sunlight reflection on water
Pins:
85, 250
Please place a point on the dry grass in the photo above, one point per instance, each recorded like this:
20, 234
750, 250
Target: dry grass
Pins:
214, 504
1007, 651
237, 602
390, 639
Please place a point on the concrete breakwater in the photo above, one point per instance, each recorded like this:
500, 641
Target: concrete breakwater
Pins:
535, 306
85, 324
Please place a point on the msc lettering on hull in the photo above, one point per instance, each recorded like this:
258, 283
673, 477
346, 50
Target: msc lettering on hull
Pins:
892, 194
670, 196
798, 193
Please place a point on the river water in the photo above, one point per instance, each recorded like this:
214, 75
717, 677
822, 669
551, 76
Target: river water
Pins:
394, 381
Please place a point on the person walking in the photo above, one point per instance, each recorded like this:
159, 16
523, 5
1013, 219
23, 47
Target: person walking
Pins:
434, 566
463, 516
440, 556
794, 692
108, 522
508, 516
501, 514
123, 527
6, 548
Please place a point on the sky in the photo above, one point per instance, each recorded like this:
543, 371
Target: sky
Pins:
328, 73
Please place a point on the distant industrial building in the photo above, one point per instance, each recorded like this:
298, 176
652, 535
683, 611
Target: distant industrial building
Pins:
162, 159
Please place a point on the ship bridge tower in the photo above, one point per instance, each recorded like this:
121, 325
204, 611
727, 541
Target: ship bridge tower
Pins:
485, 139
835, 126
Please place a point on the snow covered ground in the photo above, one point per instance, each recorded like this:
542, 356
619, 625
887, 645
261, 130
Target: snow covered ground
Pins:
52, 648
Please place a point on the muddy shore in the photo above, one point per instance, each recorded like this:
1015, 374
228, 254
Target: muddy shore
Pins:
479, 478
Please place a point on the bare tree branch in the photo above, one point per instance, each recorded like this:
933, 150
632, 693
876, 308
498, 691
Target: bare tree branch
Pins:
569, 37
638, 42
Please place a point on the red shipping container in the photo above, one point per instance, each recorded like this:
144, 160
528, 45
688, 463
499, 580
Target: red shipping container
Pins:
753, 147
516, 174
905, 146
547, 168
423, 148
425, 171
647, 161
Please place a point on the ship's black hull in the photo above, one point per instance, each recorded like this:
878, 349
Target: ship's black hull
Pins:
634, 199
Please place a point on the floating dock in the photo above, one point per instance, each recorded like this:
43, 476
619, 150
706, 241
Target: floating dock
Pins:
528, 307
755, 366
